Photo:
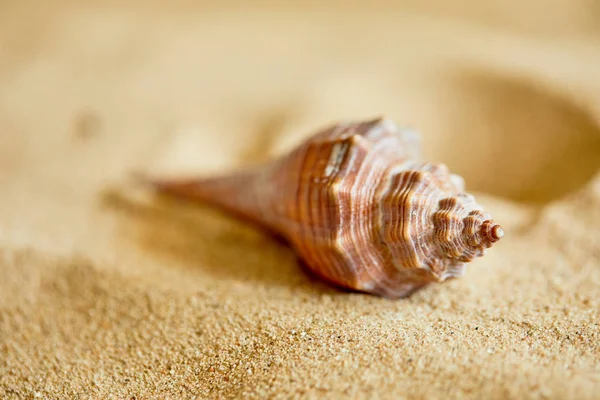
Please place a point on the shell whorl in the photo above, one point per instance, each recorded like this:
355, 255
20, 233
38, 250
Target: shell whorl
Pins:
360, 208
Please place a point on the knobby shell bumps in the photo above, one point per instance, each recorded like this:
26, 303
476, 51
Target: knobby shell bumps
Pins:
360, 207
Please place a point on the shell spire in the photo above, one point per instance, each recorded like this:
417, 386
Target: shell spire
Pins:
360, 207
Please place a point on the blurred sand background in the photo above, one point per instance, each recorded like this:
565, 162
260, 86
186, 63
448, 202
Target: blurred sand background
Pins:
107, 294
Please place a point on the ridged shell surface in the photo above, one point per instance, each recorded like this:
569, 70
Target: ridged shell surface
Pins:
360, 207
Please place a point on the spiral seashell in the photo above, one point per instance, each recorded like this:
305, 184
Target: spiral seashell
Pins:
359, 207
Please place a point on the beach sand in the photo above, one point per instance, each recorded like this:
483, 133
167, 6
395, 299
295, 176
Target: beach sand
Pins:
106, 292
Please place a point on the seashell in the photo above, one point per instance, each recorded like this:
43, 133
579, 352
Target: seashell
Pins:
359, 207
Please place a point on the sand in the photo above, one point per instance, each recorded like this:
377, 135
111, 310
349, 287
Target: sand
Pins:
106, 293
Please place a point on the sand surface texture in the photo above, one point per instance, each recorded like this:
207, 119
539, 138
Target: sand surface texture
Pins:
106, 293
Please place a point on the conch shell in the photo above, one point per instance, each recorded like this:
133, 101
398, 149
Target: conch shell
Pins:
359, 207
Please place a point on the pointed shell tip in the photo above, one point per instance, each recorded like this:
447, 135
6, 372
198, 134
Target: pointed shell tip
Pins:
497, 232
